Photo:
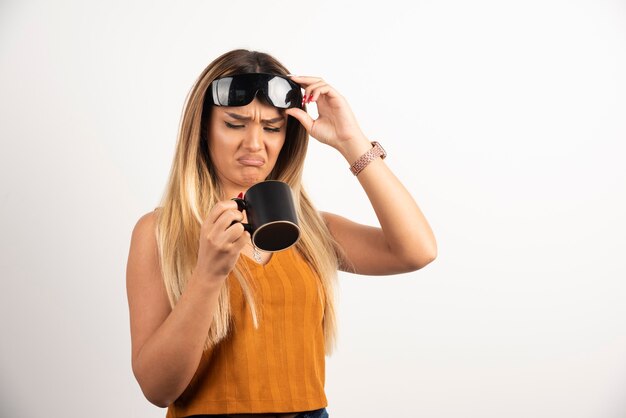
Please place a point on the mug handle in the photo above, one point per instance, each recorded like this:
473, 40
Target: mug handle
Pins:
241, 206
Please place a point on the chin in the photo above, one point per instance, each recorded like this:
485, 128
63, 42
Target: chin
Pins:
254, 177
251, 181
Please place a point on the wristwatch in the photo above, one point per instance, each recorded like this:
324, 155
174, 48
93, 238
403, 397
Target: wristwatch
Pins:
362, 162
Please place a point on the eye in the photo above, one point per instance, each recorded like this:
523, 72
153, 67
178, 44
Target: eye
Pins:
230, 125
268, 129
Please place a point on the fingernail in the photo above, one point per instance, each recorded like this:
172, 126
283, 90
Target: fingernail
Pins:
240, 195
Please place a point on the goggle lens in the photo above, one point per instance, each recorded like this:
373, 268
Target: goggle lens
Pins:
240, 90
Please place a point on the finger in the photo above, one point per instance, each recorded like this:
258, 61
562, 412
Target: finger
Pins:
305, 81
234, 233
310, 88
227, 219
316, 93
303, 117
317, 84
219, 209
241, 242
223, 237
225, 240
243, 239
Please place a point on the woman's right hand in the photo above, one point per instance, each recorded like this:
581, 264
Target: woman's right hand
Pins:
221, 241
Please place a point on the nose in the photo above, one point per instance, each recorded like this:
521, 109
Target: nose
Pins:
253, 140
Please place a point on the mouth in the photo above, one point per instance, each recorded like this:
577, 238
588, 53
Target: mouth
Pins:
251, 161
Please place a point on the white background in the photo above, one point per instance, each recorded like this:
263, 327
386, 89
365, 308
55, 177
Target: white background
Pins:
505, 120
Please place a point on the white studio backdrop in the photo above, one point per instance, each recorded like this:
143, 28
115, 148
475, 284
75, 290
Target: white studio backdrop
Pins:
506, 121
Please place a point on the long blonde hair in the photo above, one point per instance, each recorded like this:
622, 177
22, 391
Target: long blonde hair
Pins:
193, 189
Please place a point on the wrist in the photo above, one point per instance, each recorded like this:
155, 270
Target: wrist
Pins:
352, 149
206, 282
374, 153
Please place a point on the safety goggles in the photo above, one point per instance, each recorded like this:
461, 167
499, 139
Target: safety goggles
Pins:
241, 89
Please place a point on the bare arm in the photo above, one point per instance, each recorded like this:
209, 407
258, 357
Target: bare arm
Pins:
404, 242
167, 343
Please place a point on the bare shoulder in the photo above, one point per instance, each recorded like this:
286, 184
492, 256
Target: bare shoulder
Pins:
335, 224
146, 223
338, 225
143, 257
144, 232
332, 219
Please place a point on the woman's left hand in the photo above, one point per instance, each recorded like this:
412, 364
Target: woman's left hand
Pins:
336, 125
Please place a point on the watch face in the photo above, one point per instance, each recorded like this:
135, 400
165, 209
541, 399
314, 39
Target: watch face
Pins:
382, 150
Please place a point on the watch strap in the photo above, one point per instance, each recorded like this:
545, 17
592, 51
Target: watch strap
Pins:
364, 160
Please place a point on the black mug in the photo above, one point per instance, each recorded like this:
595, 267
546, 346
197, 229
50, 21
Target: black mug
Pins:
272, 219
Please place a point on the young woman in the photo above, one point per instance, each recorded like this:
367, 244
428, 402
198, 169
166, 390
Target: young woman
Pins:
218, 327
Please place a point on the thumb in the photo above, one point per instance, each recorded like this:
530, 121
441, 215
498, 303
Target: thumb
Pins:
303, 117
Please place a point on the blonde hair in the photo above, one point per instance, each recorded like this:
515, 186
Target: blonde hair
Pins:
193, 189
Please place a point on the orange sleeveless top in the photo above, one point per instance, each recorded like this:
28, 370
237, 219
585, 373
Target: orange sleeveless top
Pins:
278, 367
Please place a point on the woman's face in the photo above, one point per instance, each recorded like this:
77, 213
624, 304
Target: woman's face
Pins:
244, 143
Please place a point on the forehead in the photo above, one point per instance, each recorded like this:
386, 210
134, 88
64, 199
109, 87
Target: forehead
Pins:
254, 109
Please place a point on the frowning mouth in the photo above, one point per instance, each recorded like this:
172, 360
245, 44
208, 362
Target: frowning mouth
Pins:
251, 161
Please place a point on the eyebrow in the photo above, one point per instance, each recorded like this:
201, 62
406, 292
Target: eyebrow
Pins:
247, 118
